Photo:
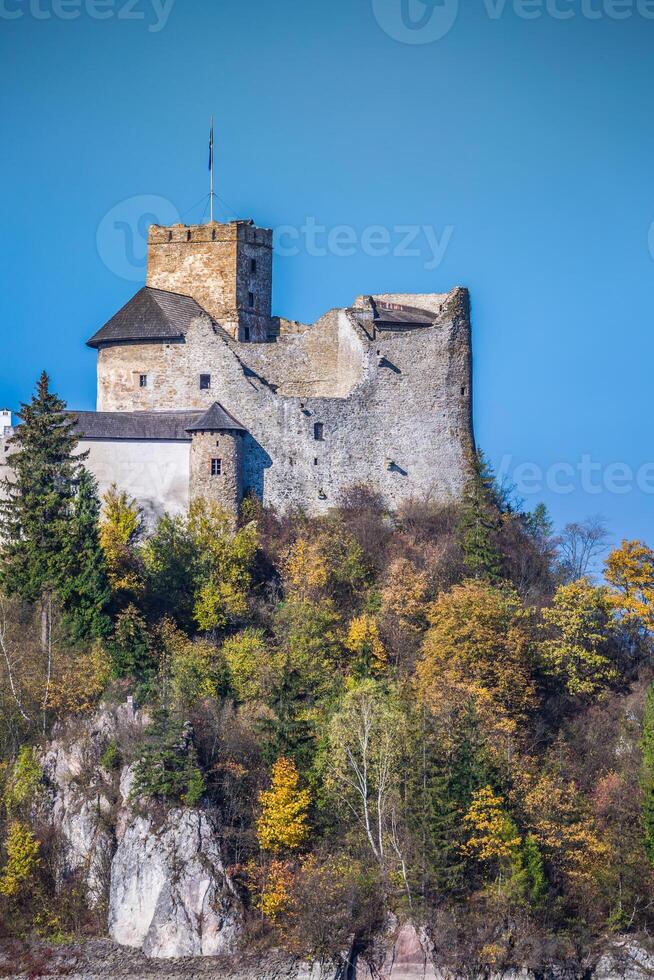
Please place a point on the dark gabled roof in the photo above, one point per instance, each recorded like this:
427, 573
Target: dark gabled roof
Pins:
161, 426
134, 425
152, 314
217, 419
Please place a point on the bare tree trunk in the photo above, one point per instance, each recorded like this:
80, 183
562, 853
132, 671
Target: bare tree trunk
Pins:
46, 646
10, 673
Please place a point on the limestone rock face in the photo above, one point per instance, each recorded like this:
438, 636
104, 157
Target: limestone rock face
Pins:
169, 893
81, 797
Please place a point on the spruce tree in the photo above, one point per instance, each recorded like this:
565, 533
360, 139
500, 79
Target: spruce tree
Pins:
84, 586
480, 522
49, 521
35, 514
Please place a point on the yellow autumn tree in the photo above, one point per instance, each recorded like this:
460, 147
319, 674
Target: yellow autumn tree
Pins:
305, 569
330, 563
22, 850
630, 570
478, 652
405, 593
564, 828
578, 629
225, 556
283, 823
120, 530
495, 836
364, 642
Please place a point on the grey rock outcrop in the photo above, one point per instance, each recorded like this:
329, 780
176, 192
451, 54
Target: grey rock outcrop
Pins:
81, 796
169, 894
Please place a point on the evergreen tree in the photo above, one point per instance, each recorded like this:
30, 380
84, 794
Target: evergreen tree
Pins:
647, 774
84, 586
435, 819
168, 769
35, 515
287, 732
535, 881
480, 522
131, 647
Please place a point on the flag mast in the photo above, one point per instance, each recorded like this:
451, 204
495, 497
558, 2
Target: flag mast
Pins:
211, 172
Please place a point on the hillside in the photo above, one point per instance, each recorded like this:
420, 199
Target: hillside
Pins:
304, 734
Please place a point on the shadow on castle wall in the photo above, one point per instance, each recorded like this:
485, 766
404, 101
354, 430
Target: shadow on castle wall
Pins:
255, 463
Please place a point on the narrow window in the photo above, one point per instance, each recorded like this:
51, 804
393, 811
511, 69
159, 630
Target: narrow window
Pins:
205, 382
253, 265
246, 333
315, 460
319, 432
216, 467
143, 381
251, 300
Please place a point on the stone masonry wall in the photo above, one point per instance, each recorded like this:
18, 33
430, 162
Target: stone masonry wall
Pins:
403, 429
219, 265
226, 488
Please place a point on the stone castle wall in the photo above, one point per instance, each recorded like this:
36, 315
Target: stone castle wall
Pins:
395, 410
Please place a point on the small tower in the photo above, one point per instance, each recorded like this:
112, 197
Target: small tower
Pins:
217, 458
225, 268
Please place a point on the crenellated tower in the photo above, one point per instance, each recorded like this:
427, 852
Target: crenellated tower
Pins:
225, 268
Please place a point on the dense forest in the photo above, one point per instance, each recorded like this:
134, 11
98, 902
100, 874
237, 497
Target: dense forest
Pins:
444, 712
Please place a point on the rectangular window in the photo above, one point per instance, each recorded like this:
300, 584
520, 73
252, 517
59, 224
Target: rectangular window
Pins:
205, 382
143, 381
251, 300
216, 467
319, 432
253, 265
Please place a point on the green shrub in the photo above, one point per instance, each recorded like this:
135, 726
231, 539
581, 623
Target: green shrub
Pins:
111, 758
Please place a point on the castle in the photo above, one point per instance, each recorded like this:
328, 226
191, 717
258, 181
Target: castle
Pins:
201, 391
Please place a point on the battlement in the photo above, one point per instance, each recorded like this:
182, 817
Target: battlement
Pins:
232, 231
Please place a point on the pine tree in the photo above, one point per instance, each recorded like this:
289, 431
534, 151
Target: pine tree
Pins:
168, 769
35, 515
84, 586
480, 522
647, 774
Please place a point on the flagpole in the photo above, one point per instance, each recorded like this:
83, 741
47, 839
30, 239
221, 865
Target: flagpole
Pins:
211, 174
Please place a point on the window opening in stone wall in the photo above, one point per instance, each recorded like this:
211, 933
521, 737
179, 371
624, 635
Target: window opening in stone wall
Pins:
253, 265
246, 333
251, 300
216, 467
315, 460
143, 381
205, 382
319, 432
463, 391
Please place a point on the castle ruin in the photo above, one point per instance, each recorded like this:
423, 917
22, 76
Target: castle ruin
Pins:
201, 391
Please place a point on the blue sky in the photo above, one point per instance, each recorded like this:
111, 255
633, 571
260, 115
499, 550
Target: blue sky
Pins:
512, 138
